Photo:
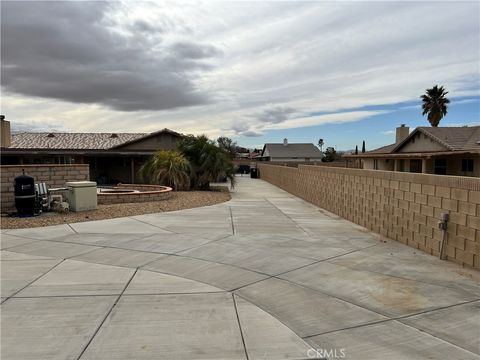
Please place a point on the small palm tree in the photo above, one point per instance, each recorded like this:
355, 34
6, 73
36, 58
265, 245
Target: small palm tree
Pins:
435, 104
169, 168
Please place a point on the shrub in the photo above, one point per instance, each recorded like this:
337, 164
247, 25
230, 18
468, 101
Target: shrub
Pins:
208, 162
169, 168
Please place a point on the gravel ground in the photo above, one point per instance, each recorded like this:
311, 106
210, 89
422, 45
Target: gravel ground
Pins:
179, 200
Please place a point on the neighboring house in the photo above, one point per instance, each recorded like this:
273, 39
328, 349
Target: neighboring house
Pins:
431, 150
249, 154
113, 157
291, 152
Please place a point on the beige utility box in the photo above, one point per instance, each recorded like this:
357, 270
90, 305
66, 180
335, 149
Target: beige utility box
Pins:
82, 195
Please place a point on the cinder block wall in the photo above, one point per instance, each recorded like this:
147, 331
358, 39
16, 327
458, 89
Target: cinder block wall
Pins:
402, 206
52, 175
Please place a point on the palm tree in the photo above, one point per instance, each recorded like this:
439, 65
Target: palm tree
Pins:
208, 162
320, 144
169, 168
435, 104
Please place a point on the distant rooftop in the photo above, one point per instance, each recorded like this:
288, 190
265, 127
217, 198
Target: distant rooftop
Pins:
292, 150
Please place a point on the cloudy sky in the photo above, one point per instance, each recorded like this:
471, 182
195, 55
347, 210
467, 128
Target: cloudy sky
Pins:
254, 71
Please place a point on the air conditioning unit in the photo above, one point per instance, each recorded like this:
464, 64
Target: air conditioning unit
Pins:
82, 195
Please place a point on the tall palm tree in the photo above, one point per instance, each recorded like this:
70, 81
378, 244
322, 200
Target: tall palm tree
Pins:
169, 168
435, 104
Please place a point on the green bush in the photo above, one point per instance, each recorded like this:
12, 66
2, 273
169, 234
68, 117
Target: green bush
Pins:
197, 162
208, 162
169, 168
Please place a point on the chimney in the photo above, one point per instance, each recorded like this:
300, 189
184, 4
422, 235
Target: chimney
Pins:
285, 142
5, 134
402, 133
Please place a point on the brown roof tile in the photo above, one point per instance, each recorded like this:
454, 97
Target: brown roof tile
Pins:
71, 141
382, 150
453, 138
293, 150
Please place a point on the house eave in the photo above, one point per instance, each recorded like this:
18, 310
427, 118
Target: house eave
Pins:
413, 155
83, 152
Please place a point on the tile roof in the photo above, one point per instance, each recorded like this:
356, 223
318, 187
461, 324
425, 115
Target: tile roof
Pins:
293, 150
71, 141
382, 150
455, 138
452, 138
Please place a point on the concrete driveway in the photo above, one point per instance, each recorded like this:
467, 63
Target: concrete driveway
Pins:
263, 276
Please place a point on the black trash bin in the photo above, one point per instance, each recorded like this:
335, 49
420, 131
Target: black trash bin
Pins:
253, 173
244, 169
25, 195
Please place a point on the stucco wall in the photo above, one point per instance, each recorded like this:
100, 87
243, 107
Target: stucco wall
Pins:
402, 206
295, 159
421, 143
52, 175
454, 165
382, 164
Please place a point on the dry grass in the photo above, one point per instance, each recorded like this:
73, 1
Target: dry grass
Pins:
179, 200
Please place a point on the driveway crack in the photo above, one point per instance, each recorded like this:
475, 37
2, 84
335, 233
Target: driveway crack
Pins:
107, 315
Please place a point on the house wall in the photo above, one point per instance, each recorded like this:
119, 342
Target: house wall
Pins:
338, 163
382, 164
52, 175
454, 165
162, 141
114, 169
299, 159
421, 143
368, 164
402, 206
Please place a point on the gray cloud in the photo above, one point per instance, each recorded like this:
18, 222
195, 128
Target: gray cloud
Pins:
275, 115
191, 50
145, 27
239, 128
252, 124
251, 133
244, 130
69, 51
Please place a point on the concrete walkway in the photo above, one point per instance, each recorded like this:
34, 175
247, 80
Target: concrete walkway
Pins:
263, 276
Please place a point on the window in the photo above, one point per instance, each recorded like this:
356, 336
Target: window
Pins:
440, 167
375, 164
401, 165
416, 166
467, 165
